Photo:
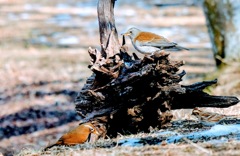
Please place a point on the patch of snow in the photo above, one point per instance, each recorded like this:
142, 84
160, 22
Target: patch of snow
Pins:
174, 137
57, 35
215, 131
12, 16
166, 133
89, 3
31, 7
61, 17
62, 5
42, 39
69, 40
219, 141
24, 16
127, 12
87, 11
130, 142
193, 39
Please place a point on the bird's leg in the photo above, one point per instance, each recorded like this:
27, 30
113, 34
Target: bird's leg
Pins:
92, 138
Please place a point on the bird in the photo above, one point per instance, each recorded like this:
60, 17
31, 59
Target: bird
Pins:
208, 118
149, 43
85, 132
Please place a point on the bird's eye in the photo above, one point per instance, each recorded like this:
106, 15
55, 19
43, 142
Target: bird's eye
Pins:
130, 32
91, 129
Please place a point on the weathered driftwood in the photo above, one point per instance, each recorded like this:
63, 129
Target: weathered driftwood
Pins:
133, 94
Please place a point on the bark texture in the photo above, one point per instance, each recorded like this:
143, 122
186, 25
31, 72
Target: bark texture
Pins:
106, 21
223, 20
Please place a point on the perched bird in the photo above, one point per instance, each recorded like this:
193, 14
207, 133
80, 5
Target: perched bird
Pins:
148, 43
83, 133
208, 118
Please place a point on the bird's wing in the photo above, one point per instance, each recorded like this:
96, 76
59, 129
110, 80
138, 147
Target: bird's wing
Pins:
165, 44
216, 117
151, 39
71, 138
160, 42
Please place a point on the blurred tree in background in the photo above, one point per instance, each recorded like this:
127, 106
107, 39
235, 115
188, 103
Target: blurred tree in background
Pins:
223, 21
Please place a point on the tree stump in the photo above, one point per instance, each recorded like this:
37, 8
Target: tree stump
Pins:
127, 94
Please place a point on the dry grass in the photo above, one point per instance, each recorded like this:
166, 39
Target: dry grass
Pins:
200, 149
29, 66
62, 67
23, 63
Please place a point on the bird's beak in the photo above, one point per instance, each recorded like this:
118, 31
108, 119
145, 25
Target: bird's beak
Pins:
96, 132
126, 34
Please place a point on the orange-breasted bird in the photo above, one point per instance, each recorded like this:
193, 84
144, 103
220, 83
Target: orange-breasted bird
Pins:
83, 133
208, 118
148, 43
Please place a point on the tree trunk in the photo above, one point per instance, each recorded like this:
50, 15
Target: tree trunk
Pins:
107, 25
223, 21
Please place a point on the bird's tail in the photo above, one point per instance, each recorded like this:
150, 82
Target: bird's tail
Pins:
59, 142
50, 146
181, 48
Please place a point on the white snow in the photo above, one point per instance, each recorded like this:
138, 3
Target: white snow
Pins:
69, 40
174, 137
215, 131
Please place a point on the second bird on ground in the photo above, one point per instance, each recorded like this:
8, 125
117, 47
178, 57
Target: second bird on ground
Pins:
208, 118
148, 43
83, 133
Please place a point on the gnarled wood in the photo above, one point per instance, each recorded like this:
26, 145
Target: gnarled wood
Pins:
138, 93
128, 94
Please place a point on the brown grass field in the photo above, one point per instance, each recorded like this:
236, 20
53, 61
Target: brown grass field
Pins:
38, 68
